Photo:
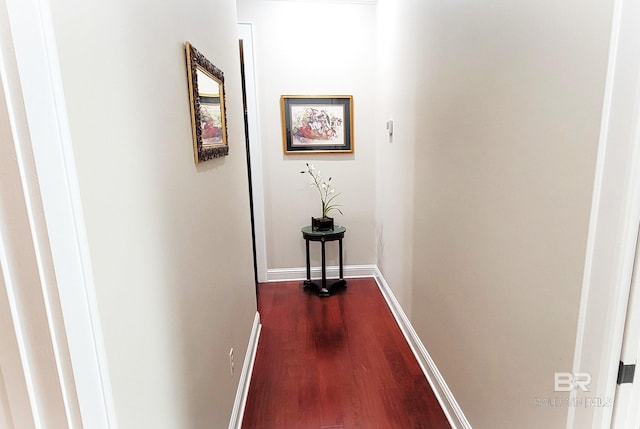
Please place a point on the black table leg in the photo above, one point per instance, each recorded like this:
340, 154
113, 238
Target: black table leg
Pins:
324, 291
341, 282
307, 282
340, 250
308, 262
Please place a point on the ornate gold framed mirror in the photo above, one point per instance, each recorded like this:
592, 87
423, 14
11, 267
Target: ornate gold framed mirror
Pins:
208, 110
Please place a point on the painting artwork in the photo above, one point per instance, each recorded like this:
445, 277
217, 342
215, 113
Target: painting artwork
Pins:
210, 120
317, 124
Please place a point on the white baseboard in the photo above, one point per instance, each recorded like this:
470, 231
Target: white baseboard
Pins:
446, 399
293, 274
245, 377
439, 386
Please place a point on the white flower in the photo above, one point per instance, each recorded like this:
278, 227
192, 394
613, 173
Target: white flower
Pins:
327, 193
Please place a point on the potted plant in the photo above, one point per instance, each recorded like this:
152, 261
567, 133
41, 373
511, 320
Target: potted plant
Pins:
327, 196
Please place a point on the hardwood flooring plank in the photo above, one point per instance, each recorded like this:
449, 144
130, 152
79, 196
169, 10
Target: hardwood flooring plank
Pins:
339, 362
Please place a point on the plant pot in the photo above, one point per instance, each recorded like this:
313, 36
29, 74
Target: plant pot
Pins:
322, 223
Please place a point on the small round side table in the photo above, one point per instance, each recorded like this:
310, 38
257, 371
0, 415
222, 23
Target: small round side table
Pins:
337, 233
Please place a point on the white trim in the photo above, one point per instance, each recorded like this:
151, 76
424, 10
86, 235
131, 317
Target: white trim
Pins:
19, 394
628, 394
245, 33
19, 345
50, 310
300, 273
41, 84
615, 214
438, 384
245, 377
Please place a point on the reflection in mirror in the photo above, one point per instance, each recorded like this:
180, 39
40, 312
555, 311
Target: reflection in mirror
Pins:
208, 112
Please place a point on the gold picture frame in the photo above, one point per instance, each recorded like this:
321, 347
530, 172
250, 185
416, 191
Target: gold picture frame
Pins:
317, 123
208, 107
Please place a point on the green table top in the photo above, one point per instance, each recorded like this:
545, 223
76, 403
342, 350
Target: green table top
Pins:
336, 230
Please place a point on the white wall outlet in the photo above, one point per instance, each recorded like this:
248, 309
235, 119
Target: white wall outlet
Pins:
232, 363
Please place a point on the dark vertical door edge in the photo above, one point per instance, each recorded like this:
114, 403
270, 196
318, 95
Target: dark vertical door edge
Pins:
246, 134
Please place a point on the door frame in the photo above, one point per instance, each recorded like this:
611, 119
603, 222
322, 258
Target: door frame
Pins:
625, 410
52, 195
245, 33
615, 215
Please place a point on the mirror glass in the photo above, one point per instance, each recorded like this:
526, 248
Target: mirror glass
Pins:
208, 113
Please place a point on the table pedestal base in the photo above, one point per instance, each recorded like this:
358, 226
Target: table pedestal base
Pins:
327, 290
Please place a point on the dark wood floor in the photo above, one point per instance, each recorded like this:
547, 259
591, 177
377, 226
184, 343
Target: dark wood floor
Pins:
336, 362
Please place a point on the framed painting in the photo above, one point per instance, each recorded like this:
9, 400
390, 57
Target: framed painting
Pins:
317, 124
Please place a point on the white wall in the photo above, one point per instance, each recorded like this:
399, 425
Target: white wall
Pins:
508, 102
170, 241
308, 49
399, 36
